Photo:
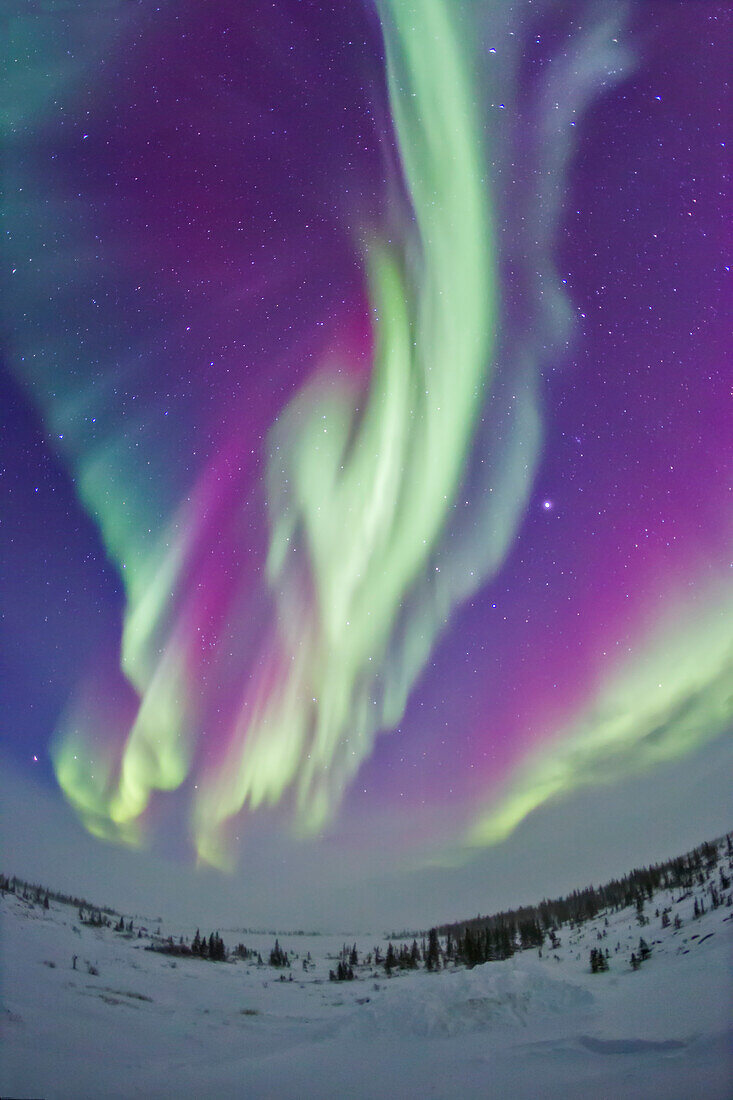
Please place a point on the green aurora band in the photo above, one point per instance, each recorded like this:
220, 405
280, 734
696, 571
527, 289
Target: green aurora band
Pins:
370, 547
371, 492
660, 706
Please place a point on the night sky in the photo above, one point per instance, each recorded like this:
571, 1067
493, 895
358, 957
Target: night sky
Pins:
365, 442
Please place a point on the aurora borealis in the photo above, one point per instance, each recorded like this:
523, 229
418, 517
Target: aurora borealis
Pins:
373, 354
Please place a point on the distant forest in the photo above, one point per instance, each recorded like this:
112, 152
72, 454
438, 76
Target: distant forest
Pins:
501, 934
31, 891
467, 942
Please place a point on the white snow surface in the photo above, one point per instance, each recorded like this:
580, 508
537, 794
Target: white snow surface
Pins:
147, 1025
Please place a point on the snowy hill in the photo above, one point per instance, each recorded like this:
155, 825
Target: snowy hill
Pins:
89, 1012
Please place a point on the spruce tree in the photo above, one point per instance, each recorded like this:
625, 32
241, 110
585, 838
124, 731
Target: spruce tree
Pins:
432, 960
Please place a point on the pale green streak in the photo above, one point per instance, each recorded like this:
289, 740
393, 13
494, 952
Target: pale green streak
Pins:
115, 481
158, 749
371, 490
109, 799
666, 702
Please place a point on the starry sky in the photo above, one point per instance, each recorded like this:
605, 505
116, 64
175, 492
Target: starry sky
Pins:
366, 448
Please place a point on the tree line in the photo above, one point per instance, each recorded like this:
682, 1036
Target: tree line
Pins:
499, 935
40, 895
469, 942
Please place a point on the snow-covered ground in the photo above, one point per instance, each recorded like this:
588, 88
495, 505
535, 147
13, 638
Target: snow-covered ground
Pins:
151, 1026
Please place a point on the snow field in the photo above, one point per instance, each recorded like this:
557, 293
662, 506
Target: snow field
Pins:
153, 1026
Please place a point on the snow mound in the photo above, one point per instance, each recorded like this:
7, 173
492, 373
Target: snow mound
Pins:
495, 994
